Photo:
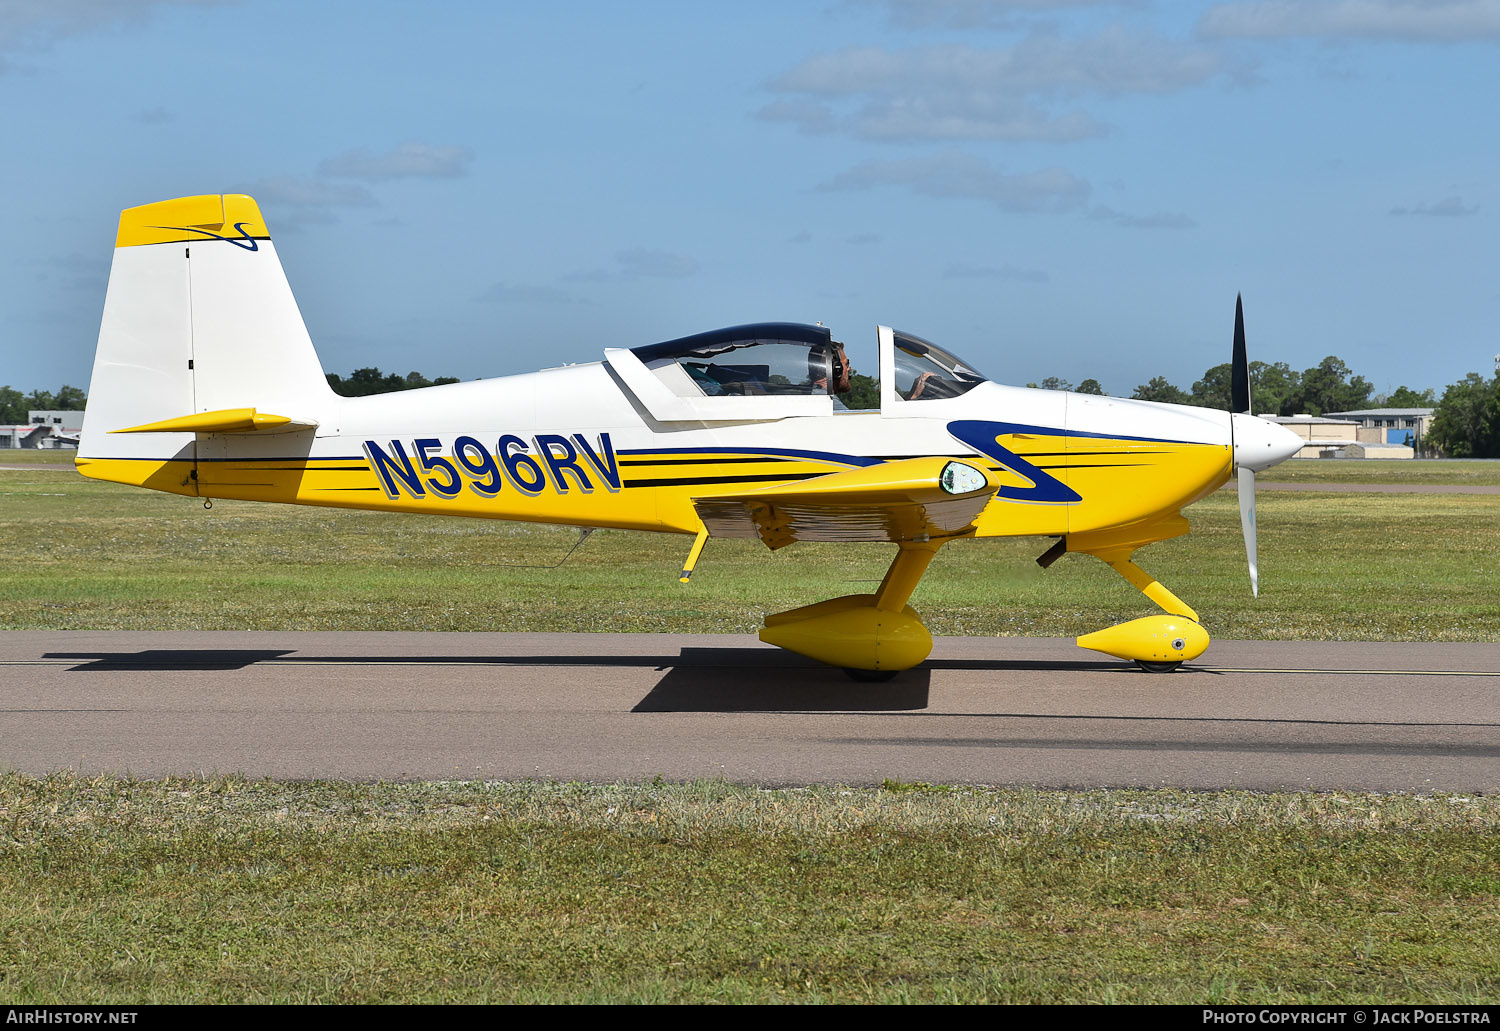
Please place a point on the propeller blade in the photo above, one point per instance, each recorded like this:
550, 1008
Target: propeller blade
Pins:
1247, 524
1239, 371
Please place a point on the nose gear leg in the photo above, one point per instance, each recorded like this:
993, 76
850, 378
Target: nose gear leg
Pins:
1158, 644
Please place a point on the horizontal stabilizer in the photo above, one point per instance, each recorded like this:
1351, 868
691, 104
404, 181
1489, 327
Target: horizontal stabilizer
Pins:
227, 420
910, 499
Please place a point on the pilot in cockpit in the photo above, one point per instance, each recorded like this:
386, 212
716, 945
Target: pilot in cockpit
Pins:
830, 365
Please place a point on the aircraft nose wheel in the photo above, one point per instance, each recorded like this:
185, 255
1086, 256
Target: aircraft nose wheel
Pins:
870, 676
1157, 667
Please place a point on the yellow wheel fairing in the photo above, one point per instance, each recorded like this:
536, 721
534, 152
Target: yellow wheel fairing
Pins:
1150, 639
853, 633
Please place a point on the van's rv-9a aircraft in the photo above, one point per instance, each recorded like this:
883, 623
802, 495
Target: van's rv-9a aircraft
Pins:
206, 384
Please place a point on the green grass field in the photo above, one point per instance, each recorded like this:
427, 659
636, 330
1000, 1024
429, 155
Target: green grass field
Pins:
1469, 472
222, 891
226, 891
87, 555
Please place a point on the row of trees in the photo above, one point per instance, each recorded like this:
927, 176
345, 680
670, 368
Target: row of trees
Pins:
364, 382
1276, 388
15, 405
1466, 421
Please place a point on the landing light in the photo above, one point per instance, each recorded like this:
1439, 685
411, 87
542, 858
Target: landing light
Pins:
957, 478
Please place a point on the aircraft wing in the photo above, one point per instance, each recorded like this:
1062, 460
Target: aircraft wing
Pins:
905, 500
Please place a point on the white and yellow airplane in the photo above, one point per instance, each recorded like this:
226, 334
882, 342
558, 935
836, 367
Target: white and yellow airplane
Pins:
206, 384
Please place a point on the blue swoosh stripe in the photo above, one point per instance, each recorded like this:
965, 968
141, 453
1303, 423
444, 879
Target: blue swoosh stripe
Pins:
1045, 489
770, 452
244, 240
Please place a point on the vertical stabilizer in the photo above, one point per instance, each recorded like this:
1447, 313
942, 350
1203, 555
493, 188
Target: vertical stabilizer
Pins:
198, 318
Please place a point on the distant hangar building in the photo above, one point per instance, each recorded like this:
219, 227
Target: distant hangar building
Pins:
1398, 426
1353, 434
44, 430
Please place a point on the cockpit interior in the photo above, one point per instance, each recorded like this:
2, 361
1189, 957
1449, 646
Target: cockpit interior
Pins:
787, 358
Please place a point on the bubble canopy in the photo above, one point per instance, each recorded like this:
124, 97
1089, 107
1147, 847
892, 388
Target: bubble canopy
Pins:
760, 358
795, 358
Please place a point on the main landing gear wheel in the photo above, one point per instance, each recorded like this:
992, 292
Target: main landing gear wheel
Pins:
1157, 667
870, 676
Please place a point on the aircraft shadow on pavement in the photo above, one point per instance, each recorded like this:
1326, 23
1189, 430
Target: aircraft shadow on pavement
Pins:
787, 686
163, 659
696, 680
758, 680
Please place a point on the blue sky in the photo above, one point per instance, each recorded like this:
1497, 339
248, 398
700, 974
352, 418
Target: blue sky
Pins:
1070, 189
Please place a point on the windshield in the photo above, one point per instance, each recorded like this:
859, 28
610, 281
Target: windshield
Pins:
926, 372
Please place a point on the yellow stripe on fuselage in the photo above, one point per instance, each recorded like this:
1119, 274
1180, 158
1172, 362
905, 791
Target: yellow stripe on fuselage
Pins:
1119, 482
677, 479
655, 492
174, 476
1131, 481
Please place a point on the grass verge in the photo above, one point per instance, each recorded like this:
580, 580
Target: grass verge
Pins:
1444, 472
227, 890
87, 555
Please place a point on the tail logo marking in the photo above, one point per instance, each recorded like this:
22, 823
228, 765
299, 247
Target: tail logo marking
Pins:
244, 240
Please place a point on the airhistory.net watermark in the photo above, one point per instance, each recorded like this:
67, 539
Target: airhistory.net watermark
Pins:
50, 1015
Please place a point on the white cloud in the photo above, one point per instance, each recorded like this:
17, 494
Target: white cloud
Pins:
1449, 207
294, 220
522, 293
963, 270
295, 203
963, 92
35, 25
949, 117
635, 262
809, 115
954, 174
1158, 220
639, 261
974, 14
309, 193
1434, 21
409, 160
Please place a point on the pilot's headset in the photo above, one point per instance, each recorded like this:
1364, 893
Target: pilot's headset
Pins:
822, 364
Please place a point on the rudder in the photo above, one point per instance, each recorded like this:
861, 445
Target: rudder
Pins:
198, 318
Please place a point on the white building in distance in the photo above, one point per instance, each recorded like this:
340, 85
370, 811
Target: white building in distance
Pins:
44, 430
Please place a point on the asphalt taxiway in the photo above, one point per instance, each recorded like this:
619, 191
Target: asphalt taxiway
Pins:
1005, 711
